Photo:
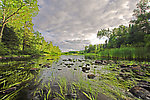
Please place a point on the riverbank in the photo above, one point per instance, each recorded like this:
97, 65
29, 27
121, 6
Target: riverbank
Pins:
16, 57
125, 53
75, 76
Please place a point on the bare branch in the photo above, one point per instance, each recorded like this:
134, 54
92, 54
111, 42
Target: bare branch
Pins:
14, 12
16, 18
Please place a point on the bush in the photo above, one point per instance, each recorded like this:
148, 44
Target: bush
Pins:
4, 50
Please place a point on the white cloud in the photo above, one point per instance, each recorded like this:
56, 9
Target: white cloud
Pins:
77, 20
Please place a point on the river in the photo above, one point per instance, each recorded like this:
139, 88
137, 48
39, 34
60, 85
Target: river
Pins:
66, 77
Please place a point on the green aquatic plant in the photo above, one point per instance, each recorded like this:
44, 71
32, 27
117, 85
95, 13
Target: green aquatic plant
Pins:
89, 96
61, 94
126, 53
48, 94
10, 96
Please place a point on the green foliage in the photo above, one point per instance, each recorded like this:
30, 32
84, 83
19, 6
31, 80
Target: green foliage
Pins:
16, 13
12, 43
127, 42
127, 53
3, 50
94, 48
104, 32
17, 35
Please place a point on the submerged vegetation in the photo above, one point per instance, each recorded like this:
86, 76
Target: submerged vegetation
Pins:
70, 77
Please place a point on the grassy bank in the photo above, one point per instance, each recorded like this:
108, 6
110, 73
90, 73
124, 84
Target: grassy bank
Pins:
15, 56
127, 53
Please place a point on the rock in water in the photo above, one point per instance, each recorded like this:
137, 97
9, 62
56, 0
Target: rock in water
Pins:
40, 64
91, 76
50, 59
75, 68
140, 92
123, 66
59, 69
56, 98
98, 62
34, 69
8, 90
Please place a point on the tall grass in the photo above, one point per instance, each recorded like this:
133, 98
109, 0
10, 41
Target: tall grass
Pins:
127, 53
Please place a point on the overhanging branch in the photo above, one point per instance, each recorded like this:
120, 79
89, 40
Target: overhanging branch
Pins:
14, 12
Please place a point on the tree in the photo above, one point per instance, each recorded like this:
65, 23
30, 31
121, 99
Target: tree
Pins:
37, 40
12, 43
104, 32
16, 12
86, 49
142, 16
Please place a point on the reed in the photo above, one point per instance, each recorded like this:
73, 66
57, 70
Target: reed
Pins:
127, 53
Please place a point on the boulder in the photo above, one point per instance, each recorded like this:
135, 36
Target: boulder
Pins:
34, 69
8, 90
95, 66
85, 71
79, 60
140, 92
105, 61
87, 65
32, 63
98, 62
46, 65
70, 59
85, 68
40, 64
64, 59
75, 68
80, 65
71, 95
69, 66
125, 76
50, 59
146, 65
91, 76
66, 64
124, 66
125, 70
56, 98
137, 70
59, 69
144, 84
111, 61
114, 69
133, 65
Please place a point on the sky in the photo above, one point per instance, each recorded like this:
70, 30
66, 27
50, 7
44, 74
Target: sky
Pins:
73, 24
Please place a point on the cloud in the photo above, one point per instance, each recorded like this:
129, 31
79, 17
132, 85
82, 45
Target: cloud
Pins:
70, 23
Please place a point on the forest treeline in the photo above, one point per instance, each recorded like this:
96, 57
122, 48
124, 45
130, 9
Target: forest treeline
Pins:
17, 35
131, 41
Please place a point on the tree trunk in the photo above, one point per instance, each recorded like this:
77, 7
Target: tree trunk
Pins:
23, 43
1, 34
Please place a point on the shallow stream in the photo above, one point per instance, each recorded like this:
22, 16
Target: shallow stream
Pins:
66, 77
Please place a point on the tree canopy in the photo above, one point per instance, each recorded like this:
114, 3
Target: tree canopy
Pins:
17, 34
16, 13
136, 34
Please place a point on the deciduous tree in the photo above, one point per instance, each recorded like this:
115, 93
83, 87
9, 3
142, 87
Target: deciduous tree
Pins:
16, 12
